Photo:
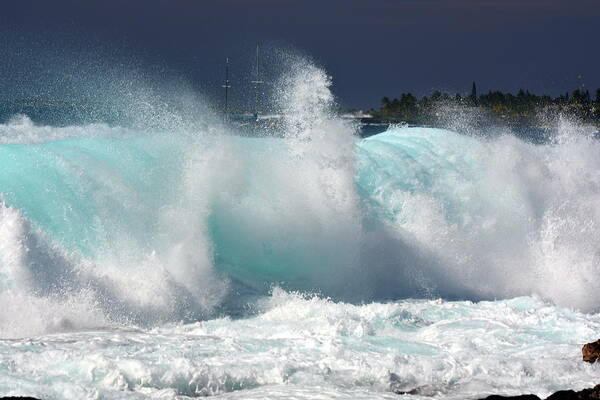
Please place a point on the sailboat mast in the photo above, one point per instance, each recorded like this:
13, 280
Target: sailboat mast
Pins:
226, 85
257, 82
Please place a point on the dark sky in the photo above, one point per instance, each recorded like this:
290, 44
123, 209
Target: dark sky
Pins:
371, 48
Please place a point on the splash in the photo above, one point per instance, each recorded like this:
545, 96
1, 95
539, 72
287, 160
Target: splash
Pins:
107, 225
496, 218
307, 346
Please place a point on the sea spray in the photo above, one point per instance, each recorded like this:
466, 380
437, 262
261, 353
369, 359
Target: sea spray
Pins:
38, 289
499, 217
183, 258
197, 218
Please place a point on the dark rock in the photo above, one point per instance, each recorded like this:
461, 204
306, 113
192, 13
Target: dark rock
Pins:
398, 387
426, 391
564, 395
520, 397
585, 394
593, 393
591, 351
18, 398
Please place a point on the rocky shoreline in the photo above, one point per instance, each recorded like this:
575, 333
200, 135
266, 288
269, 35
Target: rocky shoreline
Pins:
590, 352
18, 398
585, 394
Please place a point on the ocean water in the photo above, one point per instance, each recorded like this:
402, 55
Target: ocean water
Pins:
185, 260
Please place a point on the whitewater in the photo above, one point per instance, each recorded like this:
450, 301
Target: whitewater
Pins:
179, 260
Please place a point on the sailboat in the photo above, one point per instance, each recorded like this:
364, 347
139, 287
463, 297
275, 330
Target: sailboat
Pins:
257, 82
252, 124
226, 86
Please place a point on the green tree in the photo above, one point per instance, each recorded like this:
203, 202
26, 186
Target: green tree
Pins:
577, 96
473, 96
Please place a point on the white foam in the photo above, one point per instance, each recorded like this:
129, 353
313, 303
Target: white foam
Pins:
20, 129
37, 293
313, 348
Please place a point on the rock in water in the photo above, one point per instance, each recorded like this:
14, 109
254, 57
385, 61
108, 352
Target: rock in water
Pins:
520, 397
585, 394
18, 398
591, 351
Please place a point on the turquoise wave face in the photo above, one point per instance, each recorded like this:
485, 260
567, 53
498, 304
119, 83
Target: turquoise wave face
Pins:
415, 161
411, 212
82, 191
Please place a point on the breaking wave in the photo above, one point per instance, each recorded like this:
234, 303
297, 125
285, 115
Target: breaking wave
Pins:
103, 225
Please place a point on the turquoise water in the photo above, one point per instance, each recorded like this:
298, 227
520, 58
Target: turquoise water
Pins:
182, 261
165, 266
65, 186
412, 212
